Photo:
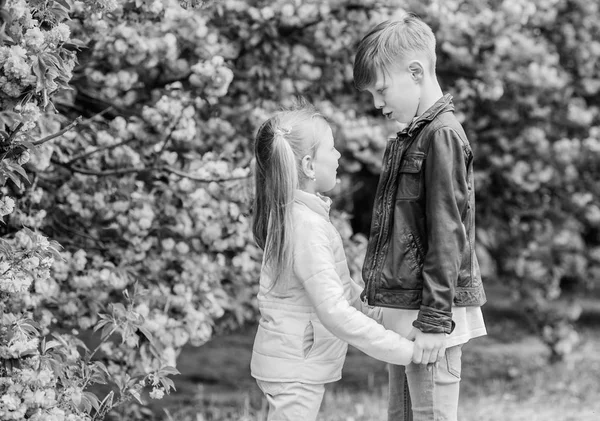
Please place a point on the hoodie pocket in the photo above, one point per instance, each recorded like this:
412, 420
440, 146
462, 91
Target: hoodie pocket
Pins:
308, 343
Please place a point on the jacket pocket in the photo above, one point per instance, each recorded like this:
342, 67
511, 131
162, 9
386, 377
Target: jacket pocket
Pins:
410, 176
308, 342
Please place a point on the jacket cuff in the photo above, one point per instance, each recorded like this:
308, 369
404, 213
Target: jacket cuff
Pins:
431, 320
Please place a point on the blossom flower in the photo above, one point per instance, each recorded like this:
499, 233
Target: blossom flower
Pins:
34, 38
30, 263
107, 5
182, 248
18, 8
11, 89
42, 242
7, 205
16, 65
23, 158
62, 31
157, 393
168, 244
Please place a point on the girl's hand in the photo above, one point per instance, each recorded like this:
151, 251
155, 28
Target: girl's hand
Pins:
429, 347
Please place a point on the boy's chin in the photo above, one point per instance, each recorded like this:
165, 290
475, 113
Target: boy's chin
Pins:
401, 125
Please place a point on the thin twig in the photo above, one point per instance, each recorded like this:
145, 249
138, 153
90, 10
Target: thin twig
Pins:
15, 131
200, 179
59, 133
167, 139
131, 170
100, 114
121, 171
103, 148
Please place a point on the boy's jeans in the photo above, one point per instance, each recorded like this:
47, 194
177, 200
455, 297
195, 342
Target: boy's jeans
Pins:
292, 401
433, 392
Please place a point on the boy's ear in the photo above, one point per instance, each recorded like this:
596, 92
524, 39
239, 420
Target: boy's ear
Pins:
416, 69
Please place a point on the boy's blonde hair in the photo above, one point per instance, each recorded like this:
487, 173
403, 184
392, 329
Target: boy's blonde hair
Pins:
388, 43
280, 144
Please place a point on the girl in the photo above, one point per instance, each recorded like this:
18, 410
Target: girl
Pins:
310, 307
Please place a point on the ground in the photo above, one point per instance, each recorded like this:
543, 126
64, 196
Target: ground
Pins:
506, 377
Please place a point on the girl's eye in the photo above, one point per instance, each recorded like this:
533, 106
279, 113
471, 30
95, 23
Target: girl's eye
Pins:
382, 90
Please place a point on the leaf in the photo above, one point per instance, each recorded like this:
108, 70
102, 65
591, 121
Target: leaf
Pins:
64, 4
167, 384
101, 323
136, 395
29, 326
39, 68
14, 179
92, 400
55, 253
168, 370
60, 13
119, 309
107, 331
100, 371
50, 345
146, 333
18, 169
27, 144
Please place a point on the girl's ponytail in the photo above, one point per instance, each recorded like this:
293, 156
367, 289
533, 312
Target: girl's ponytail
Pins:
276, 179
280, 144
281, 186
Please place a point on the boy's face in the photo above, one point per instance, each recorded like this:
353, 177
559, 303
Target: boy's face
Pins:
396, 93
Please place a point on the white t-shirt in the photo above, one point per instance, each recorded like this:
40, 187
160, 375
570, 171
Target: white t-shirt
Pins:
468, 321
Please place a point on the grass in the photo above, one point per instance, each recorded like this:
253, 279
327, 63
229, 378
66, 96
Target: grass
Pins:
506, 377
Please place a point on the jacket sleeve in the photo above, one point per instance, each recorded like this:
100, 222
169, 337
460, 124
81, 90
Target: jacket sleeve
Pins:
446, 197
315, 267
373, 312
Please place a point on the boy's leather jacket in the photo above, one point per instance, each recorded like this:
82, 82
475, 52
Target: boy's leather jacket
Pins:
421, 251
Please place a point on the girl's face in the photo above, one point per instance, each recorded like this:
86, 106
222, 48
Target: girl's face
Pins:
325, 160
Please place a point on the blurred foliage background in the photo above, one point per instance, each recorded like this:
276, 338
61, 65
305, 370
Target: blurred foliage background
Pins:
126, 131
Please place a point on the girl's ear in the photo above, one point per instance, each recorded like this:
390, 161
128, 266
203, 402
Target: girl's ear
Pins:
307, 166
415, 67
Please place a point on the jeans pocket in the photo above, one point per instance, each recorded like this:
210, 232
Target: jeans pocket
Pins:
454, 360
271, 388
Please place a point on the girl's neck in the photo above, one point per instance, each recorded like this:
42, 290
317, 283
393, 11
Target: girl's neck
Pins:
309, 188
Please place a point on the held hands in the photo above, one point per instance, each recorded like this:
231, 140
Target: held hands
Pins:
429, 347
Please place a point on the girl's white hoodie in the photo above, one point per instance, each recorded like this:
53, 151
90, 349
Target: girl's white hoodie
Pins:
305, 328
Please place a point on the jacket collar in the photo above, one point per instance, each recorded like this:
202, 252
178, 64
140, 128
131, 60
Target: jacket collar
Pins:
315, 202
442, 105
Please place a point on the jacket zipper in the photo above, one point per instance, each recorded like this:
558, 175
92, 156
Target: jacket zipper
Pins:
384, 216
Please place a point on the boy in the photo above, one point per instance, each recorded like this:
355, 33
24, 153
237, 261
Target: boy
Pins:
420, 263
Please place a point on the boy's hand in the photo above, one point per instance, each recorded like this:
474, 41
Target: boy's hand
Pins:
429, 347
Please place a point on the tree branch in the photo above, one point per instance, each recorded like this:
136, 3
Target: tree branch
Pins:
103, 148
59, 133
17, 149
132, 170
167, 139
200, 179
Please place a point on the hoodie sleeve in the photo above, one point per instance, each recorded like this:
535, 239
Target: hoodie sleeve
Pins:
315, 267
373, 312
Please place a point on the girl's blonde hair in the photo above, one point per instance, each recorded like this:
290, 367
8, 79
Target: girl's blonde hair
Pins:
281, 143
390, 42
